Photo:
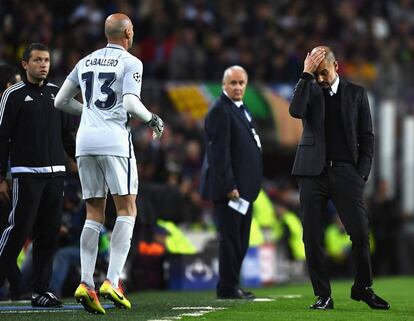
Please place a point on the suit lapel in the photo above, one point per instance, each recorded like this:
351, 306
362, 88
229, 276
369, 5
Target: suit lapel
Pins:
242, 117
239, 114
345, 112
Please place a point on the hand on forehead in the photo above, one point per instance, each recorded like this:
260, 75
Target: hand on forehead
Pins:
319, 50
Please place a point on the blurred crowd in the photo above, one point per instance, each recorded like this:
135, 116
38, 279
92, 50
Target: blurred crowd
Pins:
197, 39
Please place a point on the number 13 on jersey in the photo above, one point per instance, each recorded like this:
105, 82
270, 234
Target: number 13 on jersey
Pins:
107, 79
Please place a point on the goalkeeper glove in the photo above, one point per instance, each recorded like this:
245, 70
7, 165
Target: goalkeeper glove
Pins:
157, 126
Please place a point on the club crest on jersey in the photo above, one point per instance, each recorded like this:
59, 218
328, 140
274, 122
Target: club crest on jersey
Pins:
137, 77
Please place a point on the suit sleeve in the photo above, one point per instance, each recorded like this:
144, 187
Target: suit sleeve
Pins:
6, 125
68, 137
299, 105
219, 157
365, 137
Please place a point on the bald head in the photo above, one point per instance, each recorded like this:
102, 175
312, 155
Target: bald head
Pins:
326, 72
329, 55
119, 29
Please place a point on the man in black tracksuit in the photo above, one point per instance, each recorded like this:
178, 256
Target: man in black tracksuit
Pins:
9, 75
34, 135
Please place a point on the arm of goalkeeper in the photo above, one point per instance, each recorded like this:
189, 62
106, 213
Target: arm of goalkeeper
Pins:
64, 100
136, 108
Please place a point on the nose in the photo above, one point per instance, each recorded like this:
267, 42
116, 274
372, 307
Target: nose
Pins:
319, 78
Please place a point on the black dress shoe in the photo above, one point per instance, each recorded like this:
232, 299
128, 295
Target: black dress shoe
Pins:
247, 295
323, 303
369, 297
236, 294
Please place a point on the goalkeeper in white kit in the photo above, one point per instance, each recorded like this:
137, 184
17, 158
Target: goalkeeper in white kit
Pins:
110, 81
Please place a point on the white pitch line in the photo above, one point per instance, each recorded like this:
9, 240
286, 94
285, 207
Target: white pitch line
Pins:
198, 312
287, 296
8, 302
194, 314
263, 300
36, 311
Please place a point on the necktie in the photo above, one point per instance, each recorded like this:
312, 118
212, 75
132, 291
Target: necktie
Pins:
249, 119
329, 91
246, 113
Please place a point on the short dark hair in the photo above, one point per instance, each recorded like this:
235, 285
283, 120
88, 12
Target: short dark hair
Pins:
34, 46
7, 75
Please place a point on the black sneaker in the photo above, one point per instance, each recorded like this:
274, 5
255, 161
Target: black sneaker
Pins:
46, 300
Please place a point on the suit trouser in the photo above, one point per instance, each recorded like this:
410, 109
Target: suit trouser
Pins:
345, 187
234, 232
37, 208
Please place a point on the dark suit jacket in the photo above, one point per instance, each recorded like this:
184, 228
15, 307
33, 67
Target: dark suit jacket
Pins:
308, 104
233, 159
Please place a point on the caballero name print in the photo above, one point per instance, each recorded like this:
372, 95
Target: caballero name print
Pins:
101, 62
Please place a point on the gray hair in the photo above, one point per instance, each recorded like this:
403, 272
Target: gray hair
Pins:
229, 70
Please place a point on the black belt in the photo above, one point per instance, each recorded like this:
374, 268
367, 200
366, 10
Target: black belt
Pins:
331, 163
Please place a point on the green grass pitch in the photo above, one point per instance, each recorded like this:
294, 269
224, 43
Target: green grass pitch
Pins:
286, 302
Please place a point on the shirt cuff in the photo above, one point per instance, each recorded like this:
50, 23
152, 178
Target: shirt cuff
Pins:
306, 76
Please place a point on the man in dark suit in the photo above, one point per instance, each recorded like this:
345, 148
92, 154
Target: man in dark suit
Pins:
333, 160
232, 171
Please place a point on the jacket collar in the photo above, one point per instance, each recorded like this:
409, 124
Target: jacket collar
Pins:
335, 85
237, 111
237, 103
35, 86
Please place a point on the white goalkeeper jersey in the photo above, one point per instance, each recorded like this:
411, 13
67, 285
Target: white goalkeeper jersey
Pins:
104, 77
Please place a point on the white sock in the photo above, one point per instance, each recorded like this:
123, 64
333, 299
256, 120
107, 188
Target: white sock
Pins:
89, 242
120, 244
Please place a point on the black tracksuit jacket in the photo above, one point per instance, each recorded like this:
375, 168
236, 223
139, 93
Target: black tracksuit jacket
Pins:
33, 133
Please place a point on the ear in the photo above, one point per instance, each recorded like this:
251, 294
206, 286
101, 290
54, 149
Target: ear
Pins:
128, 33
24, 64
336, 65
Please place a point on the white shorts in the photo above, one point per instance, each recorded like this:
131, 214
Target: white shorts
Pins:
99, 173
